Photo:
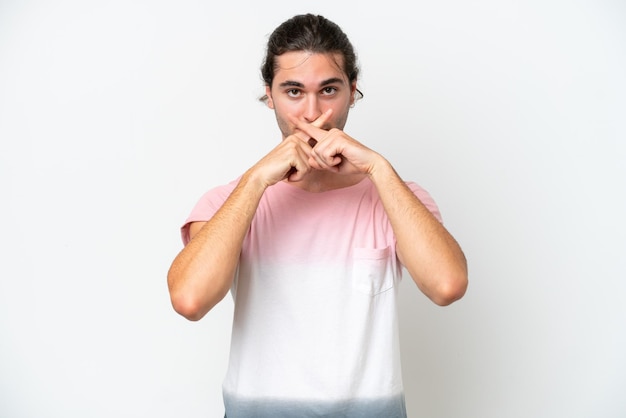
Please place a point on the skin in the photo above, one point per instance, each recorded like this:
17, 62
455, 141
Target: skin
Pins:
311, 98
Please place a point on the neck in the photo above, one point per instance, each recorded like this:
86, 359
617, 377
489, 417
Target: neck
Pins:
322, 181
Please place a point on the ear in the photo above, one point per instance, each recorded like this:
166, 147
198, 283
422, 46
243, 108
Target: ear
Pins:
268, 93
352, 93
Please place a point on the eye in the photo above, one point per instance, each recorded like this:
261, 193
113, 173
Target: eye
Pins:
329, 91
293, 92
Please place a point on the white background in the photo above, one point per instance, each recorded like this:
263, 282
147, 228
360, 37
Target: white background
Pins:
116, 116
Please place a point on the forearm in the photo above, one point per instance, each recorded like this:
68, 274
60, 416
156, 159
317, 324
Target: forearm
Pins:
430, 254
202, 273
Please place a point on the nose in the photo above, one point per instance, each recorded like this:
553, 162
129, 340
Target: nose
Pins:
312, 109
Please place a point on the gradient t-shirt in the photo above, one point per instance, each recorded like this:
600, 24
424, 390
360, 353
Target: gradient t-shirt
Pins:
315, 328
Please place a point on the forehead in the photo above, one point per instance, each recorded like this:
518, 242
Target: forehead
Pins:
308, 67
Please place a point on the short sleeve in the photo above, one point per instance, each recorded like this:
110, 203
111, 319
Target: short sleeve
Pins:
426, 199
206, 207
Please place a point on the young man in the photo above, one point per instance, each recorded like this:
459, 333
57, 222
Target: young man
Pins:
311, 242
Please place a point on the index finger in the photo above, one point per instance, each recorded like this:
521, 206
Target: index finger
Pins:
322, 119
313, 129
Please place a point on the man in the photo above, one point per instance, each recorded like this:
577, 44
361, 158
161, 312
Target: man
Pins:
311, 242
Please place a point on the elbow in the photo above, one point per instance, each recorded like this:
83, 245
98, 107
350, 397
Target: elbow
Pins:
449, 295
452, 283
193, 295
450, 289
442, 286
194, 301
185, 300
188, 307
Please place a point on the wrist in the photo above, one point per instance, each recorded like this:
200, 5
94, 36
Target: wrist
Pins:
380, 168
252, 180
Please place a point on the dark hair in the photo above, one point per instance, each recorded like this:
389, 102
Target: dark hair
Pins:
312, 33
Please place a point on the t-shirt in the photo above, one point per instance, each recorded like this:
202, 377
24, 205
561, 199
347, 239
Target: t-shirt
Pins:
315, 328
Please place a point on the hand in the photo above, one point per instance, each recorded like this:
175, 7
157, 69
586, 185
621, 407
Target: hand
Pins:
336, 151
291, 158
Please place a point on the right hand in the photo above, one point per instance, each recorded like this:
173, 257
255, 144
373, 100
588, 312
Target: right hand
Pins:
289, 159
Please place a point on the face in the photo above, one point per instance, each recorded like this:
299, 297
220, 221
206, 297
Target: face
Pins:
306, 85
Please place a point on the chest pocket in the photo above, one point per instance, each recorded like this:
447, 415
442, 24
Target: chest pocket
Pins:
371, 270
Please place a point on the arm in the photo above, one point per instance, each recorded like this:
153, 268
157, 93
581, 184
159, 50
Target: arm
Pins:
203, 272
430, 254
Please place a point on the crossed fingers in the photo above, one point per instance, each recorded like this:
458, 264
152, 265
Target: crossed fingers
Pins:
306, 134
325, 154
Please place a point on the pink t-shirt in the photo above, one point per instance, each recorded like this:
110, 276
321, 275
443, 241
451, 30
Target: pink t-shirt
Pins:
315, 329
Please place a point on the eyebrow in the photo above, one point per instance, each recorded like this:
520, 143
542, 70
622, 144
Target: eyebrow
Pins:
291, 83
